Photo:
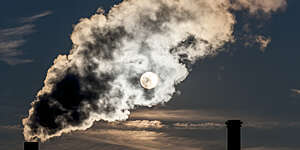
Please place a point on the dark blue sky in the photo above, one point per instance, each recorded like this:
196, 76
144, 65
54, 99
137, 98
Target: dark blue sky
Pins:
21, 82
241, 82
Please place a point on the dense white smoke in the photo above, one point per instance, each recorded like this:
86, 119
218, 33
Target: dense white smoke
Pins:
99, 79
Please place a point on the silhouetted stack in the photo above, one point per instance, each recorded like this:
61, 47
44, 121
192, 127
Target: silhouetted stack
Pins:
234, 134
31, 146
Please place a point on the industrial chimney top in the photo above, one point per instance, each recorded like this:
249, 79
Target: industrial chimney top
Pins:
234, 134
234, 123
31, 146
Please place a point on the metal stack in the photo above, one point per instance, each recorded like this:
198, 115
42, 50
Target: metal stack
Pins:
234, 134
31, 146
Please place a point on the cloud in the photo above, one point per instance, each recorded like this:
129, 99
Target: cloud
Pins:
254, 6
12, 39
184, 137
295, 91
157, 125
263, 41
11, 127
177, 115
270, 148
144, 124
11, 33
206, 125
148, 124
209, 119
35, 17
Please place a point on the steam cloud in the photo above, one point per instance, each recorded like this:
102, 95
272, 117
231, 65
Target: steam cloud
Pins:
99, 79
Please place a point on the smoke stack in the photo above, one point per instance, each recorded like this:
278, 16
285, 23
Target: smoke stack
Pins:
234, 134
31, 146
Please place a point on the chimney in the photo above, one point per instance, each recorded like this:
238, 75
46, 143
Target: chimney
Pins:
234, 134
31, 146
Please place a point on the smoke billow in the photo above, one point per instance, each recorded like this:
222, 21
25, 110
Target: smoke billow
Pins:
99, 79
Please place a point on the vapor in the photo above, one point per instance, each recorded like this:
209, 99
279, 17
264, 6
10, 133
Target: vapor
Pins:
295, 91
255, 6
99, 79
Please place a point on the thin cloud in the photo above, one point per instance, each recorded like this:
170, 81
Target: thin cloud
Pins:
145, 124
13, 38
11, 127
176, 115
263, 42
206, 125
35, 17
295, 91
254, 6
16, 31
157, 125
270, 148
192, 119
148, 124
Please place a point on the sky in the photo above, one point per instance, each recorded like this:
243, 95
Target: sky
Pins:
259, 87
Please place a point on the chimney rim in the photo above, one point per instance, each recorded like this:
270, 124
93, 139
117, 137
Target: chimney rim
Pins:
234, 123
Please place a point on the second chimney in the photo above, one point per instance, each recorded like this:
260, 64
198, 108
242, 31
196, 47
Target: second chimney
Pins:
234, 134
31, 146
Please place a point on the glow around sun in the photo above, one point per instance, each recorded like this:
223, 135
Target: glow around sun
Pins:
149, 80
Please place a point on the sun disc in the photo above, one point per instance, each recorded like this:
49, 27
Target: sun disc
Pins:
149, 80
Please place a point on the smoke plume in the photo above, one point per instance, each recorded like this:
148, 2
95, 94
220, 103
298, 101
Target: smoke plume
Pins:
99, 79
255, 6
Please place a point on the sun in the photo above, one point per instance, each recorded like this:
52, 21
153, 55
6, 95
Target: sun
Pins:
149, 80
